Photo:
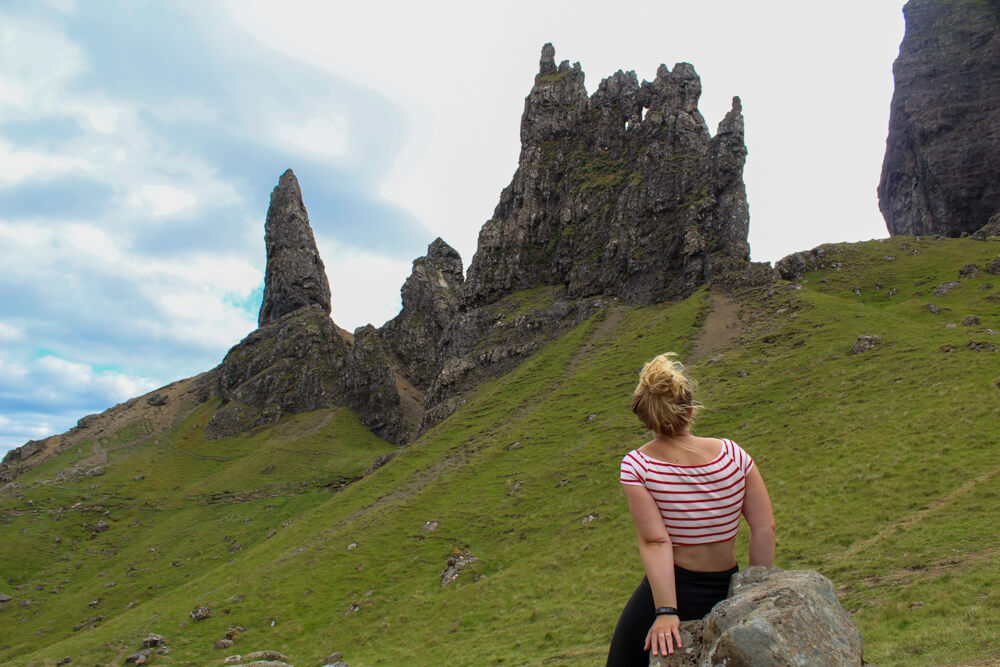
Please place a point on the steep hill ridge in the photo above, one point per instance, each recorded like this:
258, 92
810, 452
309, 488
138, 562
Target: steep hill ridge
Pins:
881, 465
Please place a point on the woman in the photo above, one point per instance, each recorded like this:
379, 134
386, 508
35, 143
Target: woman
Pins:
686, 495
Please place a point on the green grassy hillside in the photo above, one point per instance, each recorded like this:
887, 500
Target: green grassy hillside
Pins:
883, 466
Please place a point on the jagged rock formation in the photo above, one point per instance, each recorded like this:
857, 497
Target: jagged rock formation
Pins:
430, 299
624, 193
771, 617
943, 149
295, 276
298, 360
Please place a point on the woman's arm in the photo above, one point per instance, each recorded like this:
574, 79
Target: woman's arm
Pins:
759, 514
657, 554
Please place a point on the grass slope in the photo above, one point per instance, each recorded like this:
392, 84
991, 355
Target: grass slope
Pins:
883, 468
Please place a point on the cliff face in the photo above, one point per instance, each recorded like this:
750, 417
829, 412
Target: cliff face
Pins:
943, 149
623, 193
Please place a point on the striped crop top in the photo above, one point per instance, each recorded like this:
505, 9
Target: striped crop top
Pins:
699, 504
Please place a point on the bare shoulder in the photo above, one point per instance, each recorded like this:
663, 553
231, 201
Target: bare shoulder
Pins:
709, 446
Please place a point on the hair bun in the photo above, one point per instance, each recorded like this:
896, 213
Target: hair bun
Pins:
663, 398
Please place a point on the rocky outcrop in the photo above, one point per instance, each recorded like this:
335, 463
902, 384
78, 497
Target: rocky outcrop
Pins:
796, 265
298, 360
289, 365
295, 276
943, 149
771, 617
624, 193
430, 299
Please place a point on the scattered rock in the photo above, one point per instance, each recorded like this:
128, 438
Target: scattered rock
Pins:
88, 422
994, 266
271, 533
89, 623
139, 478
102, 526
65, 661
157, 400
561, 483
888, 258
513, 488
380, 461
514, 445
893, 291
460, 558
970, 321
771, 617
5, 598
944, 288
266, 655
233, 659
200, 613
933, 309
153, 641
332, 658
430, 526
968, 271
590, 517
857, 291
140, 657
352, 546
981, 346
865, 343
95, 472
224, 643
234, 631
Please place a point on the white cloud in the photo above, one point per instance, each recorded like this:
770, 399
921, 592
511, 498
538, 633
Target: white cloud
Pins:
160, 200
37, 60
10, 332
365, 286
326, 136
19, 165
88, 239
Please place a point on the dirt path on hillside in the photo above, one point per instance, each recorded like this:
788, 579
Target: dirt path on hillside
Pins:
891, 529
722, 327
610, 322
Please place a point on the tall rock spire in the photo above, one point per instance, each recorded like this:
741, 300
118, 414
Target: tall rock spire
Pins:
295, 276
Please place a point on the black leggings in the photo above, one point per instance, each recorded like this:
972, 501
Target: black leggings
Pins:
697, 593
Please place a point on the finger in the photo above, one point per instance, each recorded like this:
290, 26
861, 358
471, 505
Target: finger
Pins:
677, 634
670, 643
649, 635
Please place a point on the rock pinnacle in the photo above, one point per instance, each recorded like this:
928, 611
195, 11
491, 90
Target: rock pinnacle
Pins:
295, 275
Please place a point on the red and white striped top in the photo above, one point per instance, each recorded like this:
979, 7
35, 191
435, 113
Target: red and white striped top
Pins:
699, 504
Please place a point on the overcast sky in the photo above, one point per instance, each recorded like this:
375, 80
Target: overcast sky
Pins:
139, 143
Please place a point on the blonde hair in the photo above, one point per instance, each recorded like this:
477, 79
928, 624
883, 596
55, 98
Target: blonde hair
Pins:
664, 397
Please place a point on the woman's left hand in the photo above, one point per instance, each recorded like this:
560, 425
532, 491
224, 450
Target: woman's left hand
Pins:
664, 635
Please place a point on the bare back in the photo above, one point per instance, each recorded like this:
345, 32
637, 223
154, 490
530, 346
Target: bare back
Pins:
692, 450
